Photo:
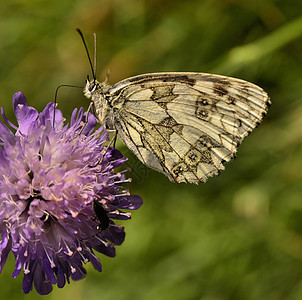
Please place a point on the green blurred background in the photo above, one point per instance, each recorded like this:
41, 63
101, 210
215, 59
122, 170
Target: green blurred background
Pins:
239, 236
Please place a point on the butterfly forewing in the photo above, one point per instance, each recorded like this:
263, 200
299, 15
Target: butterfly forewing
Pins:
185, 125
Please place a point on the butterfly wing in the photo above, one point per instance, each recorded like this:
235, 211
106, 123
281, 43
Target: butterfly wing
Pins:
186, 125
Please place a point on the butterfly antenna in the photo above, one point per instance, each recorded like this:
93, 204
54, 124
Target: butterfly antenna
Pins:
56, 96
94, 57
87, 52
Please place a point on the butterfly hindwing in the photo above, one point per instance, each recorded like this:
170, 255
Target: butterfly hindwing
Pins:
186, 125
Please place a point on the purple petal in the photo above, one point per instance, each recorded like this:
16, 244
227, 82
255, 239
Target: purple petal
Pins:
116, 235
7, 120
58, 119
6, 246
6, 135
27, 283
73, 118
108, 251
20, 105
79, 273
48, 272
47, 114
90, 125
95, 262
60, 278
42, 284
131, 202
25, 114
115, 157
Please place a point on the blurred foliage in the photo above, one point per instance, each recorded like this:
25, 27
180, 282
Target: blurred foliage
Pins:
239, 236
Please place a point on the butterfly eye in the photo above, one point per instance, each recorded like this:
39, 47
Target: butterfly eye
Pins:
92, 86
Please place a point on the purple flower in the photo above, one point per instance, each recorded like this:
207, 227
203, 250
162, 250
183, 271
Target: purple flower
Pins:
50, 179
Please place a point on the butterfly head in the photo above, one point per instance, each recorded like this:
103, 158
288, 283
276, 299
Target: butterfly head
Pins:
90, 87
94, 89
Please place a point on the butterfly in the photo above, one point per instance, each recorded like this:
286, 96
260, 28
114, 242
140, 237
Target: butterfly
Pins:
185, 125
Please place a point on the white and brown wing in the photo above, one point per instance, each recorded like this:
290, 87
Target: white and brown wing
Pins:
186, 125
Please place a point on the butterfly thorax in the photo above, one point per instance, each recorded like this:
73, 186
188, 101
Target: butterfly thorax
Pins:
102, 109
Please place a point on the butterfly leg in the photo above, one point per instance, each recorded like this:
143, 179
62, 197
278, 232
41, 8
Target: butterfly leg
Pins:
112, 141
114, 138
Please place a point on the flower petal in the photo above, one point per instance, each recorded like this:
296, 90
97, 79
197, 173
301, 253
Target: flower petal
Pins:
90, 125
41, 282
5, 248
131, 202
6, 135
25, 114
7, 120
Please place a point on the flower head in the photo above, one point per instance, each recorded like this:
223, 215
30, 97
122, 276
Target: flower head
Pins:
52, 178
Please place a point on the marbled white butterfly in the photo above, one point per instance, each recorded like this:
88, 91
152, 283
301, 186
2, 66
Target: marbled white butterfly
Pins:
184, 125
